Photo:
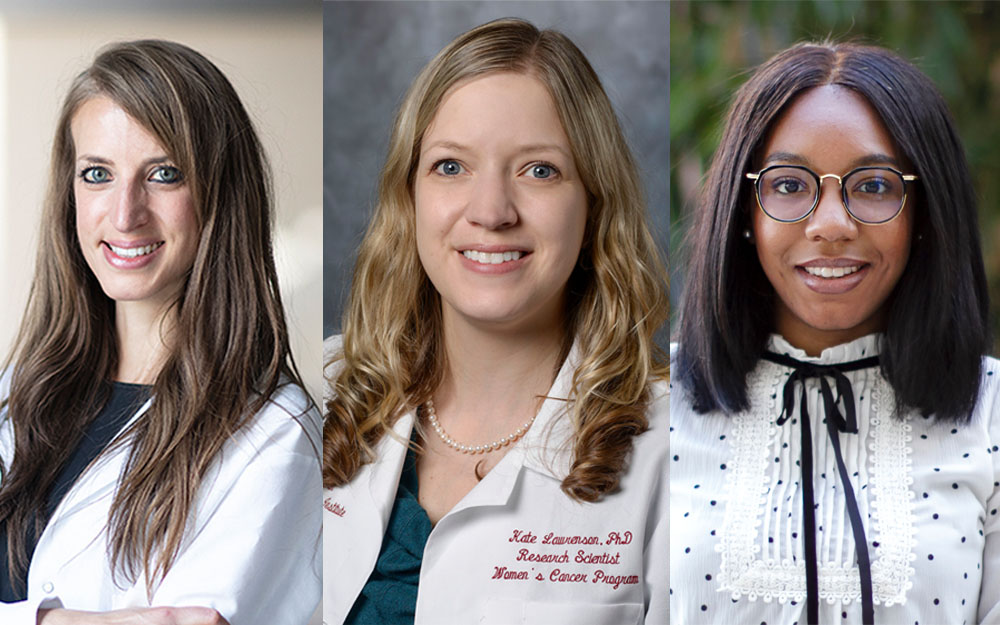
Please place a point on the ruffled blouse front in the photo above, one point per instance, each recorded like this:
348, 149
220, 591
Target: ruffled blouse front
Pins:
927, 492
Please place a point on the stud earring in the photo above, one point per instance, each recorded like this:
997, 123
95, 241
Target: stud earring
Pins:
748, 235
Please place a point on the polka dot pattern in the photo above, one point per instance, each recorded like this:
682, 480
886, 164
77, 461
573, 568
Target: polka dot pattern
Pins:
951, 486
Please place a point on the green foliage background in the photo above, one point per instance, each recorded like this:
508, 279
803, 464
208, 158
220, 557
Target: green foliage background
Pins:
715, 45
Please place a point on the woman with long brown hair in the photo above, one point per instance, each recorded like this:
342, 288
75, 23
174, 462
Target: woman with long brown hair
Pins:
158, 447
495, 437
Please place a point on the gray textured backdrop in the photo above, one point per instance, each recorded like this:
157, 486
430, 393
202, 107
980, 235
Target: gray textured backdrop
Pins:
373, 50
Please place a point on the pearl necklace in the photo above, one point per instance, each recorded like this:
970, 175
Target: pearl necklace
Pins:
474, 449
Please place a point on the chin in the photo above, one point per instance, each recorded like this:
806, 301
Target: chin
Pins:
493, 316
120, 295
123, 292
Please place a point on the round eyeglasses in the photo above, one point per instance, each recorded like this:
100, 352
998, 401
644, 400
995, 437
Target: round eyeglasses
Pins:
871, 195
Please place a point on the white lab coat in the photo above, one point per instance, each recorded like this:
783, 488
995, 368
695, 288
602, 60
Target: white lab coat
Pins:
497, 557
252, 538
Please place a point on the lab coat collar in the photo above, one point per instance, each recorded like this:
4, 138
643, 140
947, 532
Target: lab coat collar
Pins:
98, 481
547, 448
391, 453
383, 479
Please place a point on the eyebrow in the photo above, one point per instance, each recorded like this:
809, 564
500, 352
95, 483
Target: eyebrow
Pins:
531, 147
100, 160
864, 161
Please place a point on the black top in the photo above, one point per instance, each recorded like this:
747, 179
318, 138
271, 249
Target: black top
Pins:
122, 405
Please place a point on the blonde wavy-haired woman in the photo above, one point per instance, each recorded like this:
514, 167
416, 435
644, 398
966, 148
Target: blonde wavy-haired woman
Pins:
157, 446
496, 433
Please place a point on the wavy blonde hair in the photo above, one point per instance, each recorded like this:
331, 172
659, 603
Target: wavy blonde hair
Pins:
392, 357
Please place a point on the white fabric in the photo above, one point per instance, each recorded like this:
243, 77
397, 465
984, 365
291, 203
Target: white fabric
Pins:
471, 566
251, 549
927, 492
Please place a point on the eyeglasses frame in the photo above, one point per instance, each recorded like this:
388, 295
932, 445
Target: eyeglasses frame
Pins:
819, 191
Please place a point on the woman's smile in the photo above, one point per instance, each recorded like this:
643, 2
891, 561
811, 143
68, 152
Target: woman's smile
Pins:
134, 255
832, 274
500, 207
135, 217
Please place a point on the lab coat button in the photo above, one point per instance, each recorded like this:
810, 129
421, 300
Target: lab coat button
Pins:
48, 587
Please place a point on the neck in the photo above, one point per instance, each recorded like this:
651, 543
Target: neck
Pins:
144, 335
814, 340
494, 379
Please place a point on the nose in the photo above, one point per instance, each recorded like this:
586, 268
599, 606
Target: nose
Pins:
492, 204
831, 221
130, 209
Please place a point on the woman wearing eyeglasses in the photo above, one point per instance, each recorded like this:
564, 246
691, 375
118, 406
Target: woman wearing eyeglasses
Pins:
834, 442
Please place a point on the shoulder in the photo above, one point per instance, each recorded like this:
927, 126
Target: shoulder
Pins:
333, 352
6, 427
288, 422
659, 405
680, 401
988, 403
5, 380
991, 368
649, 452
332, 362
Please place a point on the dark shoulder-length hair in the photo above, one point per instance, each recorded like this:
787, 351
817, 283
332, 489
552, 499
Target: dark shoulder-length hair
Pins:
938, 309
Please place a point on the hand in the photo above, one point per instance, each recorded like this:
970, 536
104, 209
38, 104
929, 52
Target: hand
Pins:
133, 616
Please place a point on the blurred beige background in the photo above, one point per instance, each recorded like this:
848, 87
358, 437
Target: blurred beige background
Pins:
271, 52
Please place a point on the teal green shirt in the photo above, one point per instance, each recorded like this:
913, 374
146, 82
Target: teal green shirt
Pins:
390, 594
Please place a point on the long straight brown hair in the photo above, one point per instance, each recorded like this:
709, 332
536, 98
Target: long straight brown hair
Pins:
392, 357
229, 351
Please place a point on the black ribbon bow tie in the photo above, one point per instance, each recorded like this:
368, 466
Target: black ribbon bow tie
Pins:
835, 423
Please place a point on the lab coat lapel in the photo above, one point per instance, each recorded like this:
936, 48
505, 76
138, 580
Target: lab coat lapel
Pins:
385, 474
356, 519
548, 445
83, 512
99, 480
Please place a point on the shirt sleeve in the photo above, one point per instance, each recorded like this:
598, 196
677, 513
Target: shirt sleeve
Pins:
989, 597
254, 553
19, 612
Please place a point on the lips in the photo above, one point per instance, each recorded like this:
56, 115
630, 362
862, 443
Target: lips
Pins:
130, 255
831, 272
133, 251
493, 259
832, 276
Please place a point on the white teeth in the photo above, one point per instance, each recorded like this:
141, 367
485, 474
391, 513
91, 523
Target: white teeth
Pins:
831, 272
491, 258
133, 252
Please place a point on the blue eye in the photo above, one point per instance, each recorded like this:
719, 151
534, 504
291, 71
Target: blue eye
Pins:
543, 171
95, 175
448, 168
166, 174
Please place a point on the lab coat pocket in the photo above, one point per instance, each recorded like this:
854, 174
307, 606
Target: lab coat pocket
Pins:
520, 612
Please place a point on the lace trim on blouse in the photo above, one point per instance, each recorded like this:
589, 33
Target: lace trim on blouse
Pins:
760, 540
